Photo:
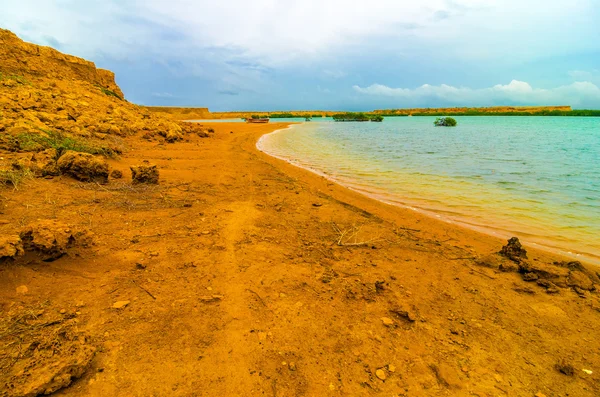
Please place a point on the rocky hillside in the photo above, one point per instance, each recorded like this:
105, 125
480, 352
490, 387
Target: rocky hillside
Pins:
45, 94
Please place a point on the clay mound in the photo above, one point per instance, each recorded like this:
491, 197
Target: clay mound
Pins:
83, 166
10, 247
51, 239
40, 352
144, 174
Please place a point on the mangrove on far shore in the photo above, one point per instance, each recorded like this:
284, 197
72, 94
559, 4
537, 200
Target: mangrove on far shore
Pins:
445, 122
350, 116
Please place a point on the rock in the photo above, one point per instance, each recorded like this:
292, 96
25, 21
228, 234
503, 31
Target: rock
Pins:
211, 298
391, 368
388, 322
514, 251
10, 247
579, 280
446, 376
530, 276
380, 373
22, 289
404, 314
508, 267
492, 261
83, 166
540, 394
292, 366
52, 238
145, 174
545, 283
116, 174
565, 368
120, 304
573, 265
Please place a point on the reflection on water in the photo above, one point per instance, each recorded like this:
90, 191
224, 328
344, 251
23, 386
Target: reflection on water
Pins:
534, 177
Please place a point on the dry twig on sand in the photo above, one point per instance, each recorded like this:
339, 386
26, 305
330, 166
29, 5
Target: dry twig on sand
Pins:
349, 237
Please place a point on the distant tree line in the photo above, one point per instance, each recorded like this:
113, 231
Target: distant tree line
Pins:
293, 115
572, 113
350, 116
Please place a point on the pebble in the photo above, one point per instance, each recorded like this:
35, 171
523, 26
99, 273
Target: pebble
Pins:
381, 374
388, 322
22, 289
391, 368
540, 394
292, 366
62, 311
120, 304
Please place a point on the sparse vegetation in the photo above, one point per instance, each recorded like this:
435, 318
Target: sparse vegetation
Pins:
37, 142
445, 122
108, 92
18, 79
377, 118
14, 177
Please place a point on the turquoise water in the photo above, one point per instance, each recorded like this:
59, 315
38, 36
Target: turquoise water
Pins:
537, 178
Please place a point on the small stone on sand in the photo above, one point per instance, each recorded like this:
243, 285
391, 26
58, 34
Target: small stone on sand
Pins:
22, 289
381, 374
388, 322
120, 304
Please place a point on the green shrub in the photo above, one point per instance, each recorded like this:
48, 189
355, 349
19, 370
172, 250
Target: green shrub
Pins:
445, 122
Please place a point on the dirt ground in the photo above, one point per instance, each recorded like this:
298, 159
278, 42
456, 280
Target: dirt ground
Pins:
241, 275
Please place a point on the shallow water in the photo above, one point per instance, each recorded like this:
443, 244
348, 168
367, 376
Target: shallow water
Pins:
533, 177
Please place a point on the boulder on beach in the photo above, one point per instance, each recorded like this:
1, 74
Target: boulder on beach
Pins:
83, 167
144, 174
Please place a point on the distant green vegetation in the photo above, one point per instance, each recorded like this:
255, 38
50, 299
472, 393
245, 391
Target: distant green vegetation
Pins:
445, 122
108, 92
288, 115
349, 116
258, 116
572, 113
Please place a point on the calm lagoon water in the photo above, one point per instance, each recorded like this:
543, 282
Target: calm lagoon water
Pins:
537, 178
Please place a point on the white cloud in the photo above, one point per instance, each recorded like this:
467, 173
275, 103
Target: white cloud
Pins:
162, 95
578, 94
281, 32
586, 75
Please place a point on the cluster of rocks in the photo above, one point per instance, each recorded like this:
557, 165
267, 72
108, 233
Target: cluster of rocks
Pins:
567, 274
49, 239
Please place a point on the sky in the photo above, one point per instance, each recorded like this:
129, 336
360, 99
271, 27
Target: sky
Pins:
329, 54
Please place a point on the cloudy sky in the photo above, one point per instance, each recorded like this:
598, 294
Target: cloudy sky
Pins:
329, 54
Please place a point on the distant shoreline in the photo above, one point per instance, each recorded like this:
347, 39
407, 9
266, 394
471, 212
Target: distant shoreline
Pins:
183, 113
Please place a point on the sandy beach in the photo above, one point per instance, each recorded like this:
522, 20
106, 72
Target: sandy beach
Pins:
144, 256
244, 275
